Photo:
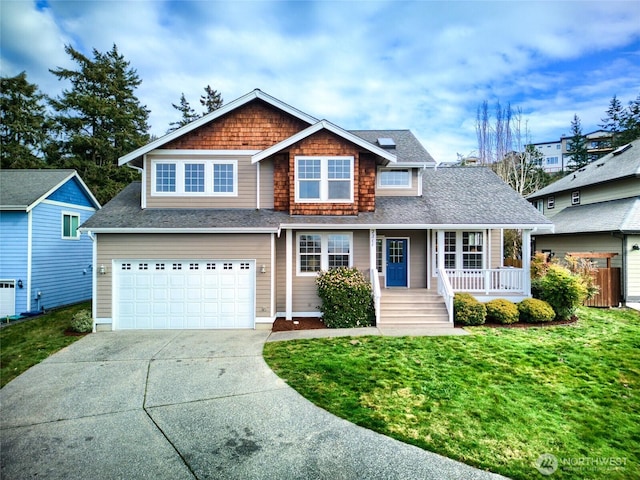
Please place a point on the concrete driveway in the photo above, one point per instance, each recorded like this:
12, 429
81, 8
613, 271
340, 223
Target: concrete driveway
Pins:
183, 405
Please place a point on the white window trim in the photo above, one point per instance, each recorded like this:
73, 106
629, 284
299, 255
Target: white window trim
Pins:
324, 179
395, 187
208, 178
324, 251
575, 197
459, 249
551, 202
72, 214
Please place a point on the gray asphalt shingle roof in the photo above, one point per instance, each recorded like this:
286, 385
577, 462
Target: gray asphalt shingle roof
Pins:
613, 216
452, 196
21, 188
606, 169
408, 148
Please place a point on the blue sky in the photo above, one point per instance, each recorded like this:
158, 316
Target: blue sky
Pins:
425, 66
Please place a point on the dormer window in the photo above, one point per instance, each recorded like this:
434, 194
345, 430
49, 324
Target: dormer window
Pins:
324, 179
396, 178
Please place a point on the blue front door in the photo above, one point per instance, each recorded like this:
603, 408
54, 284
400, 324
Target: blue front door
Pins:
396, 263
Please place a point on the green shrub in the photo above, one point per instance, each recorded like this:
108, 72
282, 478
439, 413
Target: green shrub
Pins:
502, 311
347, 299
82, 322
533, 310
467, 310
563, 290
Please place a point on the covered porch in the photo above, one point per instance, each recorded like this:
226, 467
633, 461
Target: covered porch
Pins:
454, 261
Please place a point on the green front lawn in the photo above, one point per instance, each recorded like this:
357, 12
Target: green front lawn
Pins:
497, 399
29, 342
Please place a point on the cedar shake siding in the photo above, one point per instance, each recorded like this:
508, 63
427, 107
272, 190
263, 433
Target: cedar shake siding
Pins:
184, 247
254, 126
325, 144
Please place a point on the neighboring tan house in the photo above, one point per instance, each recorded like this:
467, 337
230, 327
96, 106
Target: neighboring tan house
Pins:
238, 211
597, 209
44, 261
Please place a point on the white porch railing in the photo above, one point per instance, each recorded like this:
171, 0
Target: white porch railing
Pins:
375, 286
445, 290
489, 281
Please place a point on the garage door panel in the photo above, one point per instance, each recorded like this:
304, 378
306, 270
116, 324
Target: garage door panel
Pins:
171, 294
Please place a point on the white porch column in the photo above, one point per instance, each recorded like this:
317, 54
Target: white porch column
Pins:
373, 237
289, 275
440, 249
526, 262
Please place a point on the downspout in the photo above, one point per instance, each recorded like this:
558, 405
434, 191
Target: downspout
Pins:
29, 254
143, 193
623, 275
94, 274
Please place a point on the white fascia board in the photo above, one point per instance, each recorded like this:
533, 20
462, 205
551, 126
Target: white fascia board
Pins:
177, 230
413, 226
255, 94
14, 208
202, 153
323, 125
71, 175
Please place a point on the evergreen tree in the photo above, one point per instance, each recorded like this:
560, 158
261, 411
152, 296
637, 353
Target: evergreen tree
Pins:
613, 121
577, 147
630, 121
211, 100
23, 123
188, 114
99, 119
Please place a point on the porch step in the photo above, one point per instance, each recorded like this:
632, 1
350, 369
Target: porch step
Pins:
412, 308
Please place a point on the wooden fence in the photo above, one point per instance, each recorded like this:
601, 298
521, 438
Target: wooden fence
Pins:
608, 279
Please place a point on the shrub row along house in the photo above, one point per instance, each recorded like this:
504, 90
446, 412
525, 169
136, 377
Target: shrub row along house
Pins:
596, 214
44, 261
238, 211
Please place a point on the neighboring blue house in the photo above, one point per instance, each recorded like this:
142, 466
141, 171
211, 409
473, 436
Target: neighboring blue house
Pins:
44, 261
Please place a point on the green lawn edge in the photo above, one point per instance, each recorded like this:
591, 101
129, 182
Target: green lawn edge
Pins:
28, 342
497, 399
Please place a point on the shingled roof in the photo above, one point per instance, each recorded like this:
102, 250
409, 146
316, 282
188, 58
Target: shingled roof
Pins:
613, 216
623, 163
20, 189
453, 197
407, 149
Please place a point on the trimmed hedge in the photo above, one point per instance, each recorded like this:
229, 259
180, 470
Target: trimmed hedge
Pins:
467, 310
533, 310
347, 298
502, 311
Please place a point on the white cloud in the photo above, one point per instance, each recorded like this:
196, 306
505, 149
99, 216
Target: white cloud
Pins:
419, 65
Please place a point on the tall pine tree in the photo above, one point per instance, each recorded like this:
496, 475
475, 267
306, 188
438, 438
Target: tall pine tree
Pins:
211, 100
23, 123
577, 147
188, 114
99, 119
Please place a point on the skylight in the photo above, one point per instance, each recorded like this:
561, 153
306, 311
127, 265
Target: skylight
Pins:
386, 142
621, 149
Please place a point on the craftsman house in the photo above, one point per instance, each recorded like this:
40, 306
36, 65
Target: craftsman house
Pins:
238, 211
596, 214
44, 261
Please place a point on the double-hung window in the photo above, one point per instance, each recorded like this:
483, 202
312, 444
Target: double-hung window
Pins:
324, 179
472, 250
318, 252
202, 177
70, 224
463, 250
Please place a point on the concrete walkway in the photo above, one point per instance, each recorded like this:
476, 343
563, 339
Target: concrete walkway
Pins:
183, 405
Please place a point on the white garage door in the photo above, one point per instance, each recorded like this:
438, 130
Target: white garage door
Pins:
175, 294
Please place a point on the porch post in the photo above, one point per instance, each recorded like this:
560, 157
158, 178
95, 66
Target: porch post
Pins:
289, 275
440, 249
373, 238
526, 262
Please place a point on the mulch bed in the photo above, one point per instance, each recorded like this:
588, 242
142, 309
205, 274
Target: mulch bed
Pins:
70, 333
282, 325
573, 319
